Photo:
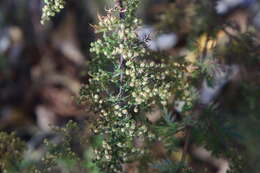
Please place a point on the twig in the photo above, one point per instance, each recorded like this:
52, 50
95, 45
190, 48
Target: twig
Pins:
197, 112
186, 143
119, 4
122, 67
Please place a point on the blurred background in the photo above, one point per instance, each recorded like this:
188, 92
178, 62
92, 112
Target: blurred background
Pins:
43, 67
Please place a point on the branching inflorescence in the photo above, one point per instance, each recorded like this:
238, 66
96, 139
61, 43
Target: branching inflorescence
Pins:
125, 83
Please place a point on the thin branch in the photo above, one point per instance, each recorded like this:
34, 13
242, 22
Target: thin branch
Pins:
186, 143
119, 4
188, 129
122, 67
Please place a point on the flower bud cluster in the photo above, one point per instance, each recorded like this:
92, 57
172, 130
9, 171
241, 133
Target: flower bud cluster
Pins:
117, 146
107, 23
11, 150
50, 8
149, 82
